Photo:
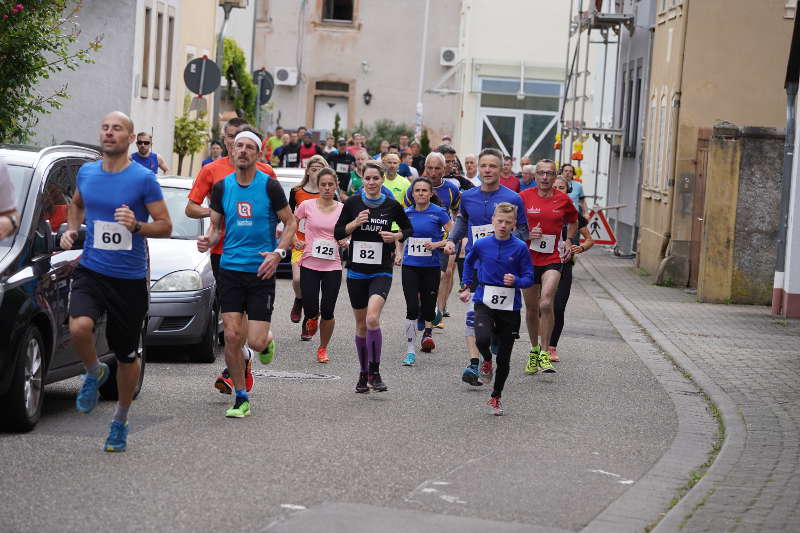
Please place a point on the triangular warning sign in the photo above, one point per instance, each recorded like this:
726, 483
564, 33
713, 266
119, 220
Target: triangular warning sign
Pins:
599, 229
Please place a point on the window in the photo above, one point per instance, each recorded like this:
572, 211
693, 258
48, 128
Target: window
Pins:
662, 143
332, 86
159, 40
170, 38
621, 113
337, 10
633, 132
651, 149
146, 52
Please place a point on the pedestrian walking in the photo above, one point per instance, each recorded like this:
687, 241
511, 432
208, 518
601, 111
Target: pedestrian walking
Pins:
114, 198
422, 264
548, 210
495, 270
367, 219
145, 157
248, 204
565, 283
474, 222
320, 264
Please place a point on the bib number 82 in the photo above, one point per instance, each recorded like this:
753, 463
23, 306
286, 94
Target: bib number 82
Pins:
367, 254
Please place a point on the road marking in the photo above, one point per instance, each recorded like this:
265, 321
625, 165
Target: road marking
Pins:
612, 474
452, 499
429, 490
293, 507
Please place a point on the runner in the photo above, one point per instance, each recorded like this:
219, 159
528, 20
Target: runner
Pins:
507, 177
320, 265
496, 268
342, 162
422, 264
576, 189
392, 180
528, 180
201, 190
145, 157
475, 222
356, 183
289, 154
471, 169
307, 188
248, 204
548, 210
114, 198
367, 218
309, 148
565, 284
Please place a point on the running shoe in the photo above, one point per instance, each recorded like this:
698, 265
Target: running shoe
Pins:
361, 386
545, 364
297, 308
117, 439
304, 333
224, 383
311, 326
89, 393
437, 319
553, 357
376, 383
268, 354
410, 360
486, 372
322, 355
240, 409
470, 375
440, 325
532, 366
427, 344
495, 408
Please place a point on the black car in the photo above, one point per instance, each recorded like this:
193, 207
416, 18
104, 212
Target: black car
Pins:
35, 280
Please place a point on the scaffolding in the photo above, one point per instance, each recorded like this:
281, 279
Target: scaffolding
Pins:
589, 29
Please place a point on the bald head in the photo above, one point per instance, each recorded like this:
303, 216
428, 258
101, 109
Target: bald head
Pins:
116, 133
122, 117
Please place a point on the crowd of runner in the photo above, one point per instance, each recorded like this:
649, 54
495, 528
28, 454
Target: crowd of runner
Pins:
512, 239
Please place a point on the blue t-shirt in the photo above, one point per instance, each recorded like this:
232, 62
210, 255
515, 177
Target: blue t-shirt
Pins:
103, 192
150, 162
250, 215
523, 187
428, 224
577, 194
491, 259
477, 208
448, 193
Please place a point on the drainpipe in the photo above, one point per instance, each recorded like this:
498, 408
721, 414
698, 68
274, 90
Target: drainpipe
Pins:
786, 189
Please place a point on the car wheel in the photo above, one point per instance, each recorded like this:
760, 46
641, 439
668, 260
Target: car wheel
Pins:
25, 397
109, 389
206, 350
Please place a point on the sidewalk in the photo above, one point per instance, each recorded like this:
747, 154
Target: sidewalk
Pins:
748, 362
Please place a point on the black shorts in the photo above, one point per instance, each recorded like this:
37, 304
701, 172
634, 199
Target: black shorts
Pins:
245, 292
123, 301
215, 259
539, 270
360, 290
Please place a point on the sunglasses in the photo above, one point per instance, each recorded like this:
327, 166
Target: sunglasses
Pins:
146, 143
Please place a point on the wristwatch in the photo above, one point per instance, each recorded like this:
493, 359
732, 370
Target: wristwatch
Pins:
281, 252
137, 228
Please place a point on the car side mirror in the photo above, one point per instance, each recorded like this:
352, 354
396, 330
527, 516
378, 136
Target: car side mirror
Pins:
77, 245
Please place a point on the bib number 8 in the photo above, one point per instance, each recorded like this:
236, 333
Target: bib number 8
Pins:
111, 238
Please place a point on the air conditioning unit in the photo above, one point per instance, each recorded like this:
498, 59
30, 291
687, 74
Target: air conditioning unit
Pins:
285, 76
448, 56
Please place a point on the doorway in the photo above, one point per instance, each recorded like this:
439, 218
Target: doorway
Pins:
518, 133
325, 110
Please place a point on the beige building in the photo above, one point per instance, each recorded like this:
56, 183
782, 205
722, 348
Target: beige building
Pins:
711, 60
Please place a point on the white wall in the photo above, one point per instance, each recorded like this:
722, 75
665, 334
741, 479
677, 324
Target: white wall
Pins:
240, 27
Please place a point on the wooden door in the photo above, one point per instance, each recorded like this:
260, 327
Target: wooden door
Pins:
698, 203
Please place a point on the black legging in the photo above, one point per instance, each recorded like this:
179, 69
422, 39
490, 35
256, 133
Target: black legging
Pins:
420, 285
502, 326
316, 282
560, 303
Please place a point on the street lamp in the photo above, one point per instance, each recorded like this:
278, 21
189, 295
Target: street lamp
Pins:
226, 5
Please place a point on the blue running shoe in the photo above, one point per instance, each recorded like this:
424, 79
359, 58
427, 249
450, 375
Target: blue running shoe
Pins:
471, 376
117, 439
420, 324
410, 359
89, 393
437, 319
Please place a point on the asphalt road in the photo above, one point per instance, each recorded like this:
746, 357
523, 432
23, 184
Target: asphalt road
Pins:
424, 456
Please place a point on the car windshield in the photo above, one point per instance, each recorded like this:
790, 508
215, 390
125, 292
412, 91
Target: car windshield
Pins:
21, 179
183, 227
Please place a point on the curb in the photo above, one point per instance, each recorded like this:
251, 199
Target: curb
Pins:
735, 431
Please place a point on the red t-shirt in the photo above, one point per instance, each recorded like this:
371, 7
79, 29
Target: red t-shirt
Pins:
511, 182
306, 152
551, 213
212, 173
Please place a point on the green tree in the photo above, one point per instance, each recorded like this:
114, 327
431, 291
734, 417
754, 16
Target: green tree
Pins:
424, 143
337, 125
190, 136
244, 94
383, 129
36, 41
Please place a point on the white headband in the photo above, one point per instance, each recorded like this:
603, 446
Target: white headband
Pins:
248, 135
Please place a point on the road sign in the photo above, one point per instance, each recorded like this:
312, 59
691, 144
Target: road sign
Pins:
265, 83
201, 75
599, 229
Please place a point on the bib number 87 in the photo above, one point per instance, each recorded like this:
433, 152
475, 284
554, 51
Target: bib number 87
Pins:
498, 299
367, 254
111, 238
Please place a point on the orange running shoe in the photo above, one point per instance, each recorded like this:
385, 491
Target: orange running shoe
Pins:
553, 357
311, 326
322, 355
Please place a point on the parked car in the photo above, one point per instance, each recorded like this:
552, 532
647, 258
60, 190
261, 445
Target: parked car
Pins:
183, 305
288, 178
35, 281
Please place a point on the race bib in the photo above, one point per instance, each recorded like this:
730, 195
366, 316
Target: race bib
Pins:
545, 245
324, 249
304, 162
342, 168
416, 247
367, 252
479, 232
500, 298
111, 236
301, 226
291, 158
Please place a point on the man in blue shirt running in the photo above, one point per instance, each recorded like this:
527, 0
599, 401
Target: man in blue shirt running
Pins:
145, 157
474, 222
114, 197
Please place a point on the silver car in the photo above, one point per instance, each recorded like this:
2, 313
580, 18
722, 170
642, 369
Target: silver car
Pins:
183, 306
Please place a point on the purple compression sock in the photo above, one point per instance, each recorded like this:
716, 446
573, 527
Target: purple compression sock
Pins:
374, 342
361, 348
